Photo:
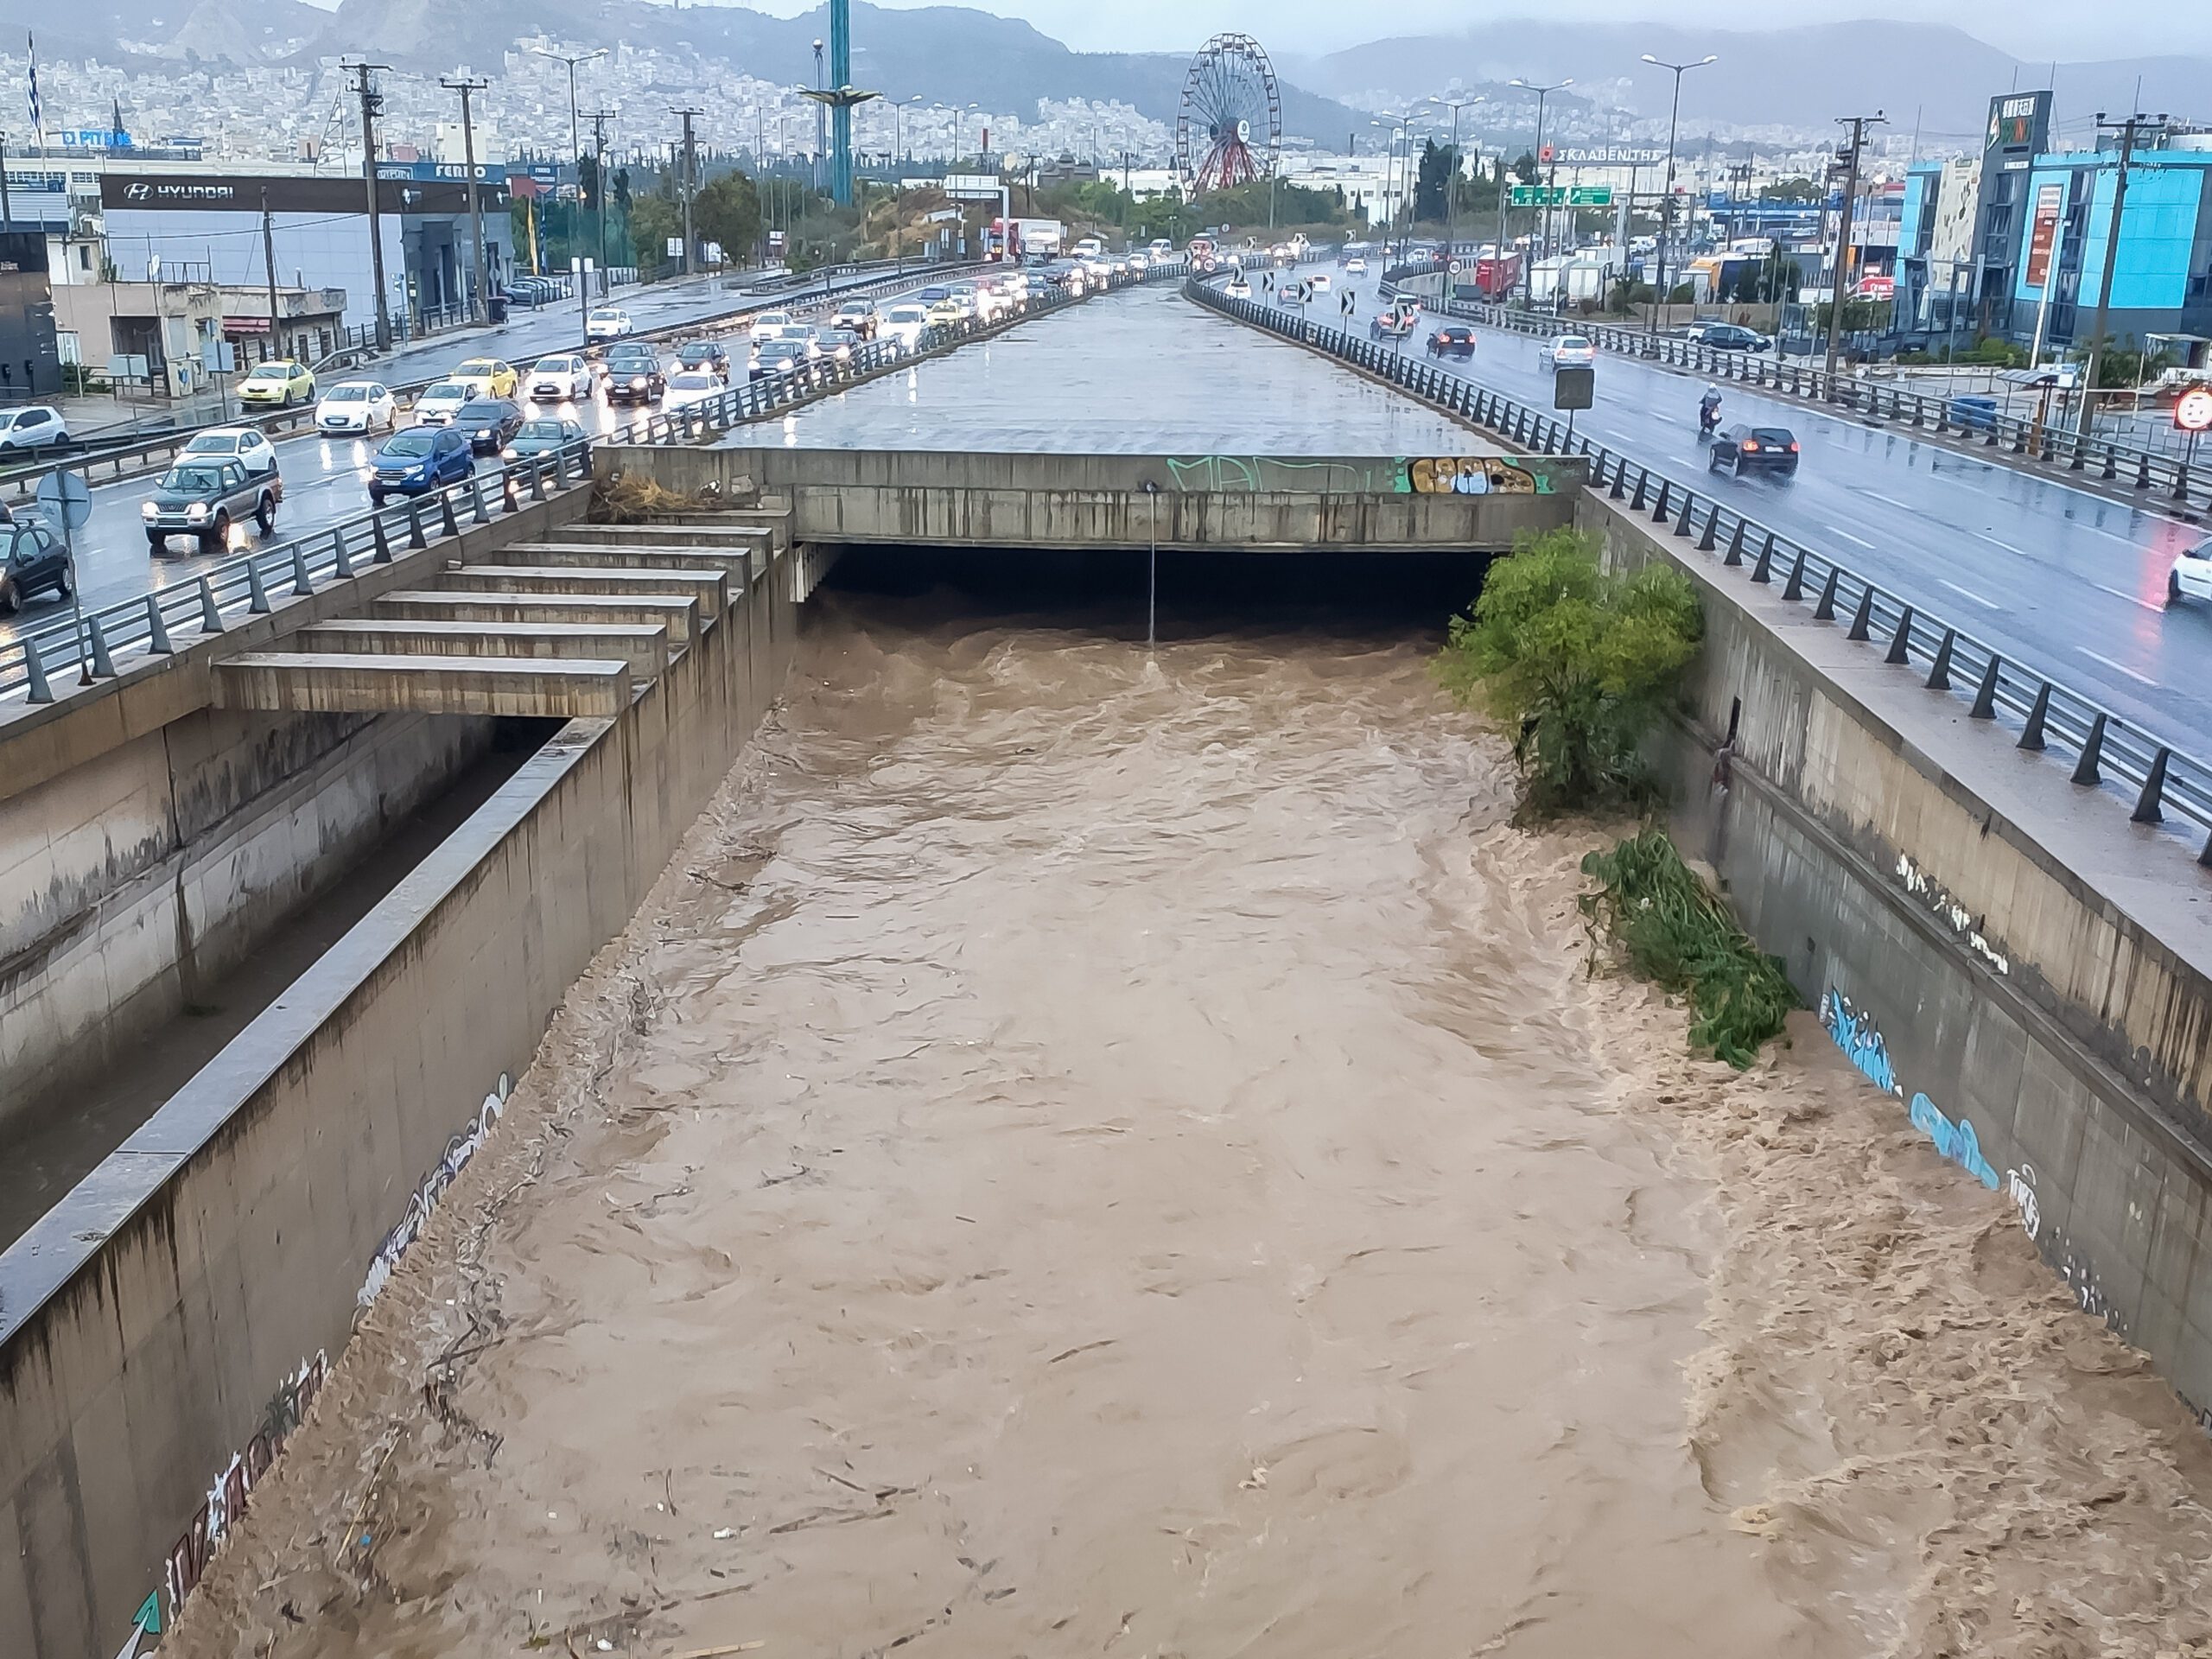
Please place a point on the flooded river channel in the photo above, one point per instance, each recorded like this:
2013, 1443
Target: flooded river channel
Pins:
1097, 1151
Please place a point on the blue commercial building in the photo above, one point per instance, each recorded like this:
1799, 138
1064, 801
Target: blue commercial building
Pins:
2019, 244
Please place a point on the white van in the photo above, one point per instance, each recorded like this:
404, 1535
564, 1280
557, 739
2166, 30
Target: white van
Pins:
1161, 249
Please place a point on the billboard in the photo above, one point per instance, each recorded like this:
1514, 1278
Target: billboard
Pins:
2019, 125
2042, 236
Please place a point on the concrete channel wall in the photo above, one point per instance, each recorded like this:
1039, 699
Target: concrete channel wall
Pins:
164, 1327
2026, 972
1297, 504
148, 840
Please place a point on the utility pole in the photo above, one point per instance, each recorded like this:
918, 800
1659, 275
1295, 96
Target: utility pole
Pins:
371, 105
598, 119
480, 305
269, 259
1539, 235
1837, 285
1667, 194
687, 181
2137, 127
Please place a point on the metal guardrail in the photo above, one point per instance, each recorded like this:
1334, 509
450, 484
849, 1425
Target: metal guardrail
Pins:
2166, 784
150, 625
756, 398
2169, 478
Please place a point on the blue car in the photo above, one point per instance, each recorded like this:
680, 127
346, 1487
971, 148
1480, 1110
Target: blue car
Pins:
418, 460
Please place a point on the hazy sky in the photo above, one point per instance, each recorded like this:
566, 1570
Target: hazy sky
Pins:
2029, 28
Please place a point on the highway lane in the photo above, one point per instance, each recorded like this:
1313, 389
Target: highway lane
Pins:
323, 477
2055, 578
1140, 371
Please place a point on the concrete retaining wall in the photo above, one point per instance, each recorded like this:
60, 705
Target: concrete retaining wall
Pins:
147, 841
2024, 970
164, 1327
1294, 504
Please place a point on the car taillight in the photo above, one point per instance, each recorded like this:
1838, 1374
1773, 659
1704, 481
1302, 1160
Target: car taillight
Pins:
1751, 444
1793, 448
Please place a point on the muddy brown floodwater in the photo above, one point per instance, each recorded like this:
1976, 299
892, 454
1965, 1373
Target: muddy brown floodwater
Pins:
1092, 1153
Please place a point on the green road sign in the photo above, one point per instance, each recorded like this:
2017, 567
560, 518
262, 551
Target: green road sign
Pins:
1559, 195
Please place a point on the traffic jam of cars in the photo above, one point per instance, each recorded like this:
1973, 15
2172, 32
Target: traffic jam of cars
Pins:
224, 489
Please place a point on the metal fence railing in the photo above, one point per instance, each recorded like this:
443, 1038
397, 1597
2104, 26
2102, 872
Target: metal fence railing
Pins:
754, 399
41, 655
2161, 783
2159, 476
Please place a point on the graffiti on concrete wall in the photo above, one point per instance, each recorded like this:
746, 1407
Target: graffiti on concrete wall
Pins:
145, 1623
232, 1489
1953, 914
1473, 476
1854, 1033
423, 1203
1249, 474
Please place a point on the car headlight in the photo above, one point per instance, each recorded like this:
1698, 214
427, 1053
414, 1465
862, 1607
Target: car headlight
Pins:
637, 383
148, 509
196, 512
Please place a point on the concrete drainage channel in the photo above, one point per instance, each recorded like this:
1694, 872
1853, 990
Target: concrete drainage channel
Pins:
220, 1255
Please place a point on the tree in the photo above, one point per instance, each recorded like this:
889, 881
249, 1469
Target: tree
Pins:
729, 212
1577, 661
1440, 166
621, 188
653, 219
1802, 191
1524, 168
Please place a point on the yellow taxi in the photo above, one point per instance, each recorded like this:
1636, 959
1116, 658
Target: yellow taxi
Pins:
487, 376
277, 384
947, 311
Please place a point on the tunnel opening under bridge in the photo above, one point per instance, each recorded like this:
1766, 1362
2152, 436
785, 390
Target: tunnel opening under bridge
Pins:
1106, 590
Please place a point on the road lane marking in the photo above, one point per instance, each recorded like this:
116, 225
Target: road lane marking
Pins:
1968, 593
1890, 500
1848, 537
2122, 667
2133, 599
2007, 546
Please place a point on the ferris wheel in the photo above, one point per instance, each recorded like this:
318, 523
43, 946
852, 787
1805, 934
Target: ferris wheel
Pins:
1228, 131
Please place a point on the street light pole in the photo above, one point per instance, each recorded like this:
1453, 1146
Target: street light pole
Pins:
1542, 239
1667, 193
1452, 180
576, 135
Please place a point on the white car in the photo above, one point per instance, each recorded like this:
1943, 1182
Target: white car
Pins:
1319, 282
357, 406
859, 316
1355, 267
1566, 352
2192, 576
904, 323
1238, 288
608, 323
561, 379
436, 406
692, 386
249, 446
32, 428
1162, 250
1136, 262
769, 325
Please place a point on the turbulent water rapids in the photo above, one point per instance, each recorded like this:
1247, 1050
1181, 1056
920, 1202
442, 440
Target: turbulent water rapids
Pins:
1094, 1152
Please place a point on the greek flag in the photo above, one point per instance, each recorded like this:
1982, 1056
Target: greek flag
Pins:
38, 124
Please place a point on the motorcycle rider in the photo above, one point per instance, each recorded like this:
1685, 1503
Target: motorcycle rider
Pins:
1709, 411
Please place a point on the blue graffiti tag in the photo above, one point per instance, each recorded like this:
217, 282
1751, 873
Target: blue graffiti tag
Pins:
1956, 1142
1855, 1035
